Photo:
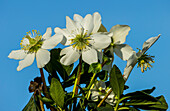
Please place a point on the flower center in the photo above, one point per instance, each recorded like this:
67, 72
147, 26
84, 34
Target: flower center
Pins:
80, 42
31, 42
145, 62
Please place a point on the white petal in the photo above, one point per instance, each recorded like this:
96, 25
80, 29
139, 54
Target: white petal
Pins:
119, 33
67, 36
17, 54
52, 41
28, 60
42, 57
124, 51
130, 64
132, 59
87, 24
65, 32
78, 18
70, 55
47, 33
100, 55
96, 21
71, 26
90, 56
95, 95
101, 41
147, 44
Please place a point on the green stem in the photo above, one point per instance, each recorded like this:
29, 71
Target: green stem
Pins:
77, 82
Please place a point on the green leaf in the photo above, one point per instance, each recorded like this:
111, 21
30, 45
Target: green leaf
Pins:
142, 100
45, 100
55, 65
105, 109
84, 75
102, 28
127, 109
103, 75
57, 92
149, 91
95, 68
31, 105
116, 81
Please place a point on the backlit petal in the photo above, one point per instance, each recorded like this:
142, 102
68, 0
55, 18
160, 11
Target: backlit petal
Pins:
147, 44
48, 33
28, 60
96, 21
71, 26
119, 33
90, 56
87, 24
70, 55
52, 41
124, 51
78, 18
101, 41
42, 57
17, 54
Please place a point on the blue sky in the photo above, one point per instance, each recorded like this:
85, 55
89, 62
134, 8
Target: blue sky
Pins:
147, 18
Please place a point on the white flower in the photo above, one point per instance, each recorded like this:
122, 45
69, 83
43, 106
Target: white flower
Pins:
135, 56
120, 32
82, 36
100, 90
124, 51
35, 45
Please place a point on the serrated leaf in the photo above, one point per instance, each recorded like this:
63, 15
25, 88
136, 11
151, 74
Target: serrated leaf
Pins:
57, 92
31, 105
116, 81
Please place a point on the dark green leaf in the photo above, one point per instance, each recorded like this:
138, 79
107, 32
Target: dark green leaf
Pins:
103, 75
31, 105
105, 109
95, 68
45, 100
85, 76
116, 81
56, 92
149, 91
142, 100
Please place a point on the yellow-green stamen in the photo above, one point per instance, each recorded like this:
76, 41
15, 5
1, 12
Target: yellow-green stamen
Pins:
80, 42
32, 41
145, 62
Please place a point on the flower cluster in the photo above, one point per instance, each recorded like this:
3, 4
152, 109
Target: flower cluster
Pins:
85, 40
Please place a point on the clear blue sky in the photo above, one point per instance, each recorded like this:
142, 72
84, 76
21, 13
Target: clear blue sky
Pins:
147, 18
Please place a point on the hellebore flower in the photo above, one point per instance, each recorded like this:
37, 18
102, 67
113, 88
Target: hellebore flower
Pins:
84, 40
100, 90
35, 45
120, 32
123, 51
140, 57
